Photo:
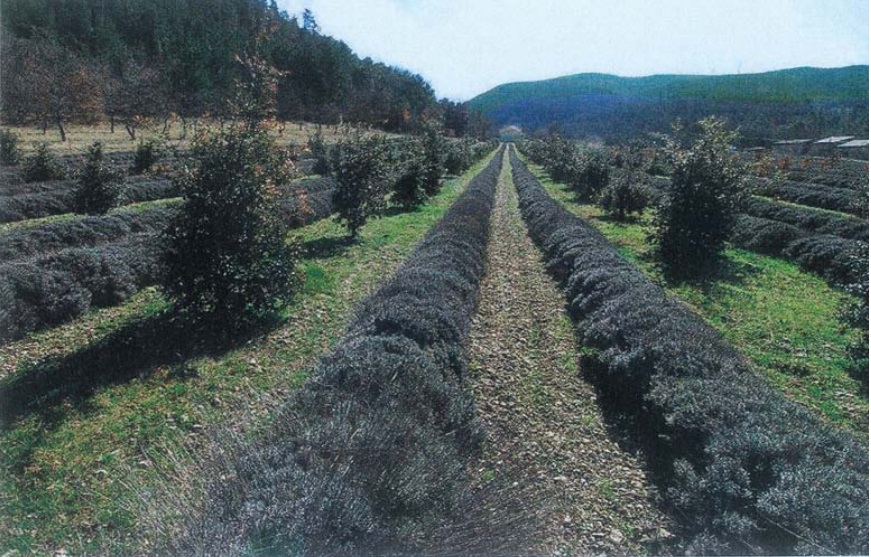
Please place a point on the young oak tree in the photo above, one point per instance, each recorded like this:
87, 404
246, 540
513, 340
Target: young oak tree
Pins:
227, 255
99, 187
228, 258
359, 166
698, 211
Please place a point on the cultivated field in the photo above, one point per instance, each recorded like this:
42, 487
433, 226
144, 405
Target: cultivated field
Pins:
484, 362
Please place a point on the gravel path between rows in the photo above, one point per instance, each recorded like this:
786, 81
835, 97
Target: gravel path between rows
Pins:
546, 434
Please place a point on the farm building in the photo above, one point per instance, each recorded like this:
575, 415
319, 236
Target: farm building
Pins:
827, 146
791, 147
854, 149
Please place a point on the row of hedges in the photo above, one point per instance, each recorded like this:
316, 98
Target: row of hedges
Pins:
835, 259
14, 188
840, 176
134, 162
373, 447
372, 173
303, 202
838, 260
97, 263
585, 171
745, 469
815, 195
307, 201
48, 291
37, 205
840, 173
810, 220
83, 232
463, 153
59, 200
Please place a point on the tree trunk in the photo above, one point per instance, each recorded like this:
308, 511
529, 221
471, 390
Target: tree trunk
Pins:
60, 128
111, 123
131, 131
184, 127
45, 126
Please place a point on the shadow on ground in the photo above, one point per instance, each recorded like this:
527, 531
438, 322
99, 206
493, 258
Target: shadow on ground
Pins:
168, 339
328, 246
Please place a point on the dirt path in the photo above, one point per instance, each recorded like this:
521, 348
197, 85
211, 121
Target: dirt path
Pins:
545, 429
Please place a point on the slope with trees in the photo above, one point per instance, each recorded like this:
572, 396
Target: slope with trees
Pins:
785, 104
139, 59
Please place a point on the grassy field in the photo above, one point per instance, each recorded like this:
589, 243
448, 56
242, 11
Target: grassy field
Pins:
80, 137
782, 319
107, 392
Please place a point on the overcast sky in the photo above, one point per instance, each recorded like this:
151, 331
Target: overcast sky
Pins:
465, 47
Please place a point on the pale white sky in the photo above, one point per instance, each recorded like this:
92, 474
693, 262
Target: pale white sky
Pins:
465, 47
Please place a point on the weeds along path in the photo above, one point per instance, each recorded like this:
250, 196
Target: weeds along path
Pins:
544, 426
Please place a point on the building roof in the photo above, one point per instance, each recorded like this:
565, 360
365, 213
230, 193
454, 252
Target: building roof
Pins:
793, 141
835, 139
854, 143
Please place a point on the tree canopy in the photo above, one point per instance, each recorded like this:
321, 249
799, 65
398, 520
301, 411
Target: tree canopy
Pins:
156, 57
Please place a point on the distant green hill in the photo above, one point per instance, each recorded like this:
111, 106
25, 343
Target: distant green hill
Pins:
809, 100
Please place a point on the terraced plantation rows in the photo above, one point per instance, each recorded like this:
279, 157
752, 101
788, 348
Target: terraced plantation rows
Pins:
736, 458
169, 384
57, 198
54, 272
821, 228
788, 322
809, 219
821, 196
370, 452
475, 369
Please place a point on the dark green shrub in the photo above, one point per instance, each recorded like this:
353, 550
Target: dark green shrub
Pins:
359, 166
227, 255
698, 211
320, 152
459, 156
10, 154
99, 187
593, 174
146, 155
409, 190
434, 155
42, 166
622, 197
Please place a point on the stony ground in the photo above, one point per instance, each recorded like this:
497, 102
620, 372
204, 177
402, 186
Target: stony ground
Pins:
546, 435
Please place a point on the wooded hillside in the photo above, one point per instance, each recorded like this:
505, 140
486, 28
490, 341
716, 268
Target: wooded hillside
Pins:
124, 60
